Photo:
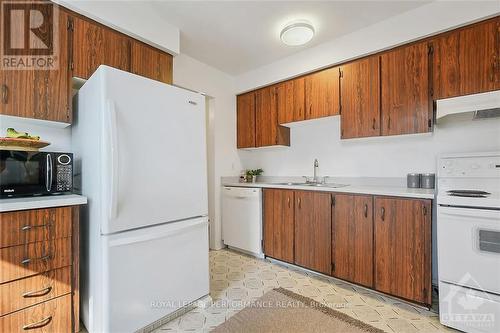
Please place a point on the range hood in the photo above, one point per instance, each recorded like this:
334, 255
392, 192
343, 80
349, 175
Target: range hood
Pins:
476, 106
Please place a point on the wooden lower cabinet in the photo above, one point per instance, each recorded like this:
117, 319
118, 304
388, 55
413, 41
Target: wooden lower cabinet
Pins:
51, 316
403, 248
352, 238
313, 230
39, 267
23, 227
279, 224
22, 293
378, 242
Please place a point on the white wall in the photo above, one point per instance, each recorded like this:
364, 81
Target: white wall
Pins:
392, 156
420, 22
192, 74
137, 19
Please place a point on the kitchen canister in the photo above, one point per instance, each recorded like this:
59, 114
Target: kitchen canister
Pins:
413, 180
427, 180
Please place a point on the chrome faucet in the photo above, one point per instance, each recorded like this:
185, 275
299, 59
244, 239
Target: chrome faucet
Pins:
315, 175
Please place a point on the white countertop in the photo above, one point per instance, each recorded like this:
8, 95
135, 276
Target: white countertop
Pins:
12, 204
390, 188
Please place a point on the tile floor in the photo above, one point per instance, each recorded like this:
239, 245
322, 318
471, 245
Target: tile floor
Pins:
236, 279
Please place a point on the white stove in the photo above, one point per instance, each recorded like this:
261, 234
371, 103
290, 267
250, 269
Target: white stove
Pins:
468, 236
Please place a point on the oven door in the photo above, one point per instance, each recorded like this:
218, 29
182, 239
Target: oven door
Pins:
24, 173
469, 247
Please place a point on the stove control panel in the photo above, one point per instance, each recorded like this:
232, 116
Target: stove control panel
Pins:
478, 166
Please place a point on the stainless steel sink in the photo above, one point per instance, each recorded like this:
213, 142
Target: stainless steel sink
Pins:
329, 185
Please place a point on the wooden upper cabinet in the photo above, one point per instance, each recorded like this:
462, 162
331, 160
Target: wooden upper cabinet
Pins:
352, 236
267, 130
291, 100
467, 60
403, 248
406, 104
322, 93
40, 94
279, 224
313, 231
94, 45
150, 62
245, 120
360, 93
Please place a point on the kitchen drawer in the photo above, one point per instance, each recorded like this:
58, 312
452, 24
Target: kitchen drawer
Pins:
53, 316
22, 293
29, 259
36, 225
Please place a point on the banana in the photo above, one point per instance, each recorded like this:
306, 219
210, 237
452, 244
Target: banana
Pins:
12, 133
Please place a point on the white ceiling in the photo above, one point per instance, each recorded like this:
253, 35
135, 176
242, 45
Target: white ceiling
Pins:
238, 36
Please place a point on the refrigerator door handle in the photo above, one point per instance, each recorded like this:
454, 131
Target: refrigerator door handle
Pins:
150, 236
112, 135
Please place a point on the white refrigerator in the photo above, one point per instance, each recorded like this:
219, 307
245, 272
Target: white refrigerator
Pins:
140, 158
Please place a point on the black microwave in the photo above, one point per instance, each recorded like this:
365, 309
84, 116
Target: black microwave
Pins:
27, 173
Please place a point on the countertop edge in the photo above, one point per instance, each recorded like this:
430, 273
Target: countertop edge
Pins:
355, 189
16, 204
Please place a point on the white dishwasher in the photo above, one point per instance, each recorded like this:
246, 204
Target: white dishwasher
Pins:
242, 219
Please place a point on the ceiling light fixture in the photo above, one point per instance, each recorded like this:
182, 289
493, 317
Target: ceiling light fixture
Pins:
297, 33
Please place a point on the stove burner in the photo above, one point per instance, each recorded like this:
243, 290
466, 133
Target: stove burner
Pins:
468, 193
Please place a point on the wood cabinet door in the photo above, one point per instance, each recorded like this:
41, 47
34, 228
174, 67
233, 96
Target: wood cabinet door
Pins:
352, 236
360, 94
313, 231
41, 94
291, 100
467, 61
267, 130
405, 94
279, 224
322, 93
147, 61
245, 120
403, 248
94, 45
266, 117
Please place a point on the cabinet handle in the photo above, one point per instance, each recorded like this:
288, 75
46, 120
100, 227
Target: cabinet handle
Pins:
37, 293
383, 214
366, 211
389, 123
28, 227
299, 202
28, 260
39, 324
373, 124
5, 94
288, 201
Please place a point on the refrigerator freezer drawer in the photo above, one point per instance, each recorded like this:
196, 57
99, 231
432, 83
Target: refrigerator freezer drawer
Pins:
154, 271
